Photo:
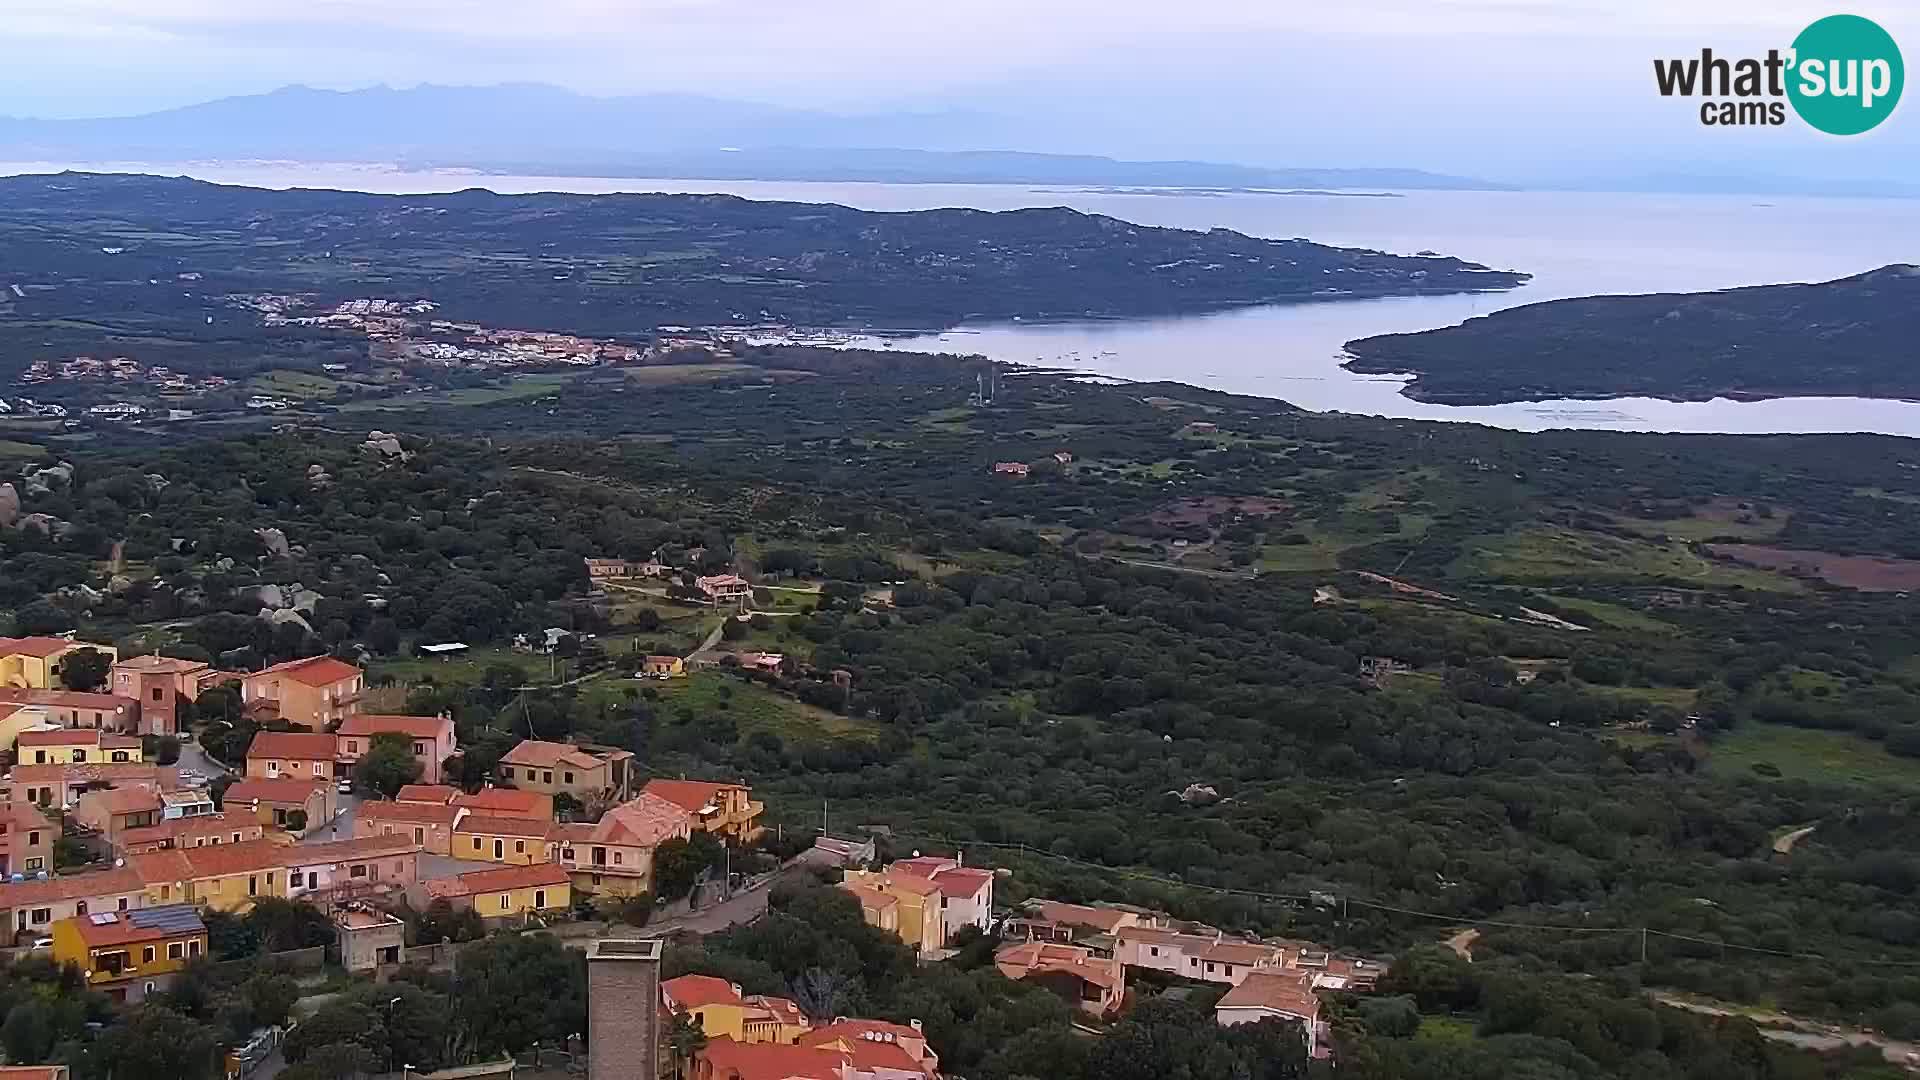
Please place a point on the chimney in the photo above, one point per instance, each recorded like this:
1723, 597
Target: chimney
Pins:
914, 1024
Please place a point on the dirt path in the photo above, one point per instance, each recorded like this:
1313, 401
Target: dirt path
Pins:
1812, 1034
1785, 843
1462, 943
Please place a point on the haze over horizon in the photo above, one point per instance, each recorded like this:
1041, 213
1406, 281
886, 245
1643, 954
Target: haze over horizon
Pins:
1516, 91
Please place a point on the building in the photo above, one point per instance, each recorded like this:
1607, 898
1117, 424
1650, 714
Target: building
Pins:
429, 825
225, 877
436, 794
339, 871
314, 692
157, 684
663, 667
583, 773
26, 840
505, 802
615, 854
113, 812
76, 746
272, 801
729, 1059
966, 893
905, 904
40, 1072
1275, 995
623, 1009
877, 1049
725, 589
1011, 468
369, 938
301, 755
1214, 957
610, 568
71, 708
727, 809
62, 785
191, 832
1093, 984
129, 955
16, 718
185, 802
506, 892
430, 738
724, 1013
1051, 920
35, 662
516, 841
30, 907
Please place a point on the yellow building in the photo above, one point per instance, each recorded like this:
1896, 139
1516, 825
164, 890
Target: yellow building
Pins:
16, 719
906, 904
225, 877
35, 662
130, 954
722, 1012
514, 841
727, 809
507, 892
663, 666
76, 746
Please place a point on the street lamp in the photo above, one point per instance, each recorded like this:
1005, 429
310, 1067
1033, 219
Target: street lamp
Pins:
391, 1002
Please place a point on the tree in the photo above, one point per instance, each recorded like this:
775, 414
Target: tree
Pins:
685, 1039
85, 670
297, 820
335, 1061
336, 1022
153, 1040
678, 864
733, 629
492, 1006
387, 766
289, 924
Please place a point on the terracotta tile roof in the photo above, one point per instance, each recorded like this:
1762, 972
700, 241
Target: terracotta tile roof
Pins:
139, 924
693, 991
778, 1009
906, 883
95, 737
730, 1060
1104, 920
692, 796
547, 755
426, 793
1019, 961
166, 776
411, 813
1281, 992
157, 867
155, 662
366, 847
313, 671
1241, 952
300, 745
41, 647
245, 857
851, 1028
28, 894
33, 1072
506, 802
641, 822
72, 699
503, 826
961, 881
479, 882
273, 789
368, 725
186, 828
870, 898
129, 799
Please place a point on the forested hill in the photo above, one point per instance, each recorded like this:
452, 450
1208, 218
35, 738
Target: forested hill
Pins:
627, 263
1858, 336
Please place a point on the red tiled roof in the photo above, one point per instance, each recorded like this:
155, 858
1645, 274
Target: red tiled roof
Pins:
313, 671
693, 991
504, 826
690, 795
365, 847
166, 776
641, 822
104, 740
131, 799
500, 880
41, 647
730, 1060
506, 802
961, 881
1276, 991
546, 755
1241, 952
72, 699
869, 897
411, 813
187, 827
140, 924
155, 867
418, 727
245, 857
1105, 920
155, 662
426, 793
1019, 961
71, 887
299, 745
33, 1072
273, 789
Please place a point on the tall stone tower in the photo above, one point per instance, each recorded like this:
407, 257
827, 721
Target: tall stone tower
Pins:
623, 1009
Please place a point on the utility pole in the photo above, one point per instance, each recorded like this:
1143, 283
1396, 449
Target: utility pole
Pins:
1643, 946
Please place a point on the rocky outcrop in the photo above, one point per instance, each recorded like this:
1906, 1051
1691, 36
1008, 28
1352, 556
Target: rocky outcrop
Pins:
9, 505
42, 481
275, 541
386, 445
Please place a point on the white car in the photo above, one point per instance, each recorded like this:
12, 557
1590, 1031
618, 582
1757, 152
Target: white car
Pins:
345, 787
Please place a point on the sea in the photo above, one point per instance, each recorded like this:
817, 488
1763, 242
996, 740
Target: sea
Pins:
1573, 243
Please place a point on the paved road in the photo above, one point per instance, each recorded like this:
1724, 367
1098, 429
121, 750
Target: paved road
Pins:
1811, 1034
341, 828
194, 759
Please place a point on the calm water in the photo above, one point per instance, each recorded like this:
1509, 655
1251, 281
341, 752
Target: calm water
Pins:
1575, 244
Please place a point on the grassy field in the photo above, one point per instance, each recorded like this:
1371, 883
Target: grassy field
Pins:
300, 385
522, 387
755, 708
1680, 697
671, 374
1721, 517
20, 451
1830, 757
466, 669
1447, 1030
1545, 554
1614, 615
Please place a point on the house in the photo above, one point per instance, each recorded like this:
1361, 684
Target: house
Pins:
841, 851
76, 746
272, 800
1282, 995
1213, 957
369, 938
111, 812
609, 568
35, 662
914, 914
429, 737
26, 840
505, 802
313, 692
506, 892
724, 1013
73, 709
1050, 920
1011, 468
516, 841
157, 684
725, 589
966, 893
30, 907
729, 1059
663, 667
185, 802
189, 832
437, 794
1093, 984
1063, 457
302, 755
766, 662
225, 877
129, 955
727, 809
40, 1072
876, 1049
1203, 427
428, 825
62, 785
553, 768
341, 870
615, 854
16, 719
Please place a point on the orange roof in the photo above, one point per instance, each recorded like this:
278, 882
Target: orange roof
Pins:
479, 882
166, 776
418, 727
411, 813
692, 796
693, 991
131, 799
961, 881
300, 745
546, 755
41, 647
1019, 961
730, 1060
503, 826
71, 887
33, 1072
313, 671
139, 924
245, 857
365, 847
1281, 992
906, 883
426, 793
168, 865
73, 699
641, 822
197, 825
506, 802
1241, 952
273, 789
1105, 920
104, 740
168, 664
869, 897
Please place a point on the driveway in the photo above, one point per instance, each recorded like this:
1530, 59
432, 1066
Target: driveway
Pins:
194, 759
341, 828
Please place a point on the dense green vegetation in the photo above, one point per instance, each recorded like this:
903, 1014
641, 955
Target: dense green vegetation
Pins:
1853, 336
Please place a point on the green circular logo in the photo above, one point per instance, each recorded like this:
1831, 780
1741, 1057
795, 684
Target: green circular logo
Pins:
1846, 75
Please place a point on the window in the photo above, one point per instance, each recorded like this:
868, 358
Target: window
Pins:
33, 838
353, 746
596, 879
1153, 950
77, 755
506, 901
80, 907
506, 772
1209, 967
39, 757
499, 849
419, 835
566, 854
156, 696
166, 892
567, 776
519, 847
269, 880
253, 885
419, 748
193, 948
146, 954
540, 898
149, 987
476, 843
273, 768
121, 755
616, 858
297, 879
123, 903
546, 776
42, 915
359, 870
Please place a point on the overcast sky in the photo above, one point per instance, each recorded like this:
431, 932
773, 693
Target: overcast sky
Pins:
1448, 84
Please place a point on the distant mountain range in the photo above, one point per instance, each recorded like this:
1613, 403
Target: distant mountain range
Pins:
545, 130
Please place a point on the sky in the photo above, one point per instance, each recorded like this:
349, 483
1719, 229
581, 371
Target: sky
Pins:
1509, 87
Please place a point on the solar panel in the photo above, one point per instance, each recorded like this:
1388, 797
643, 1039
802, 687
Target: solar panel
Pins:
103, 918
174, 918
